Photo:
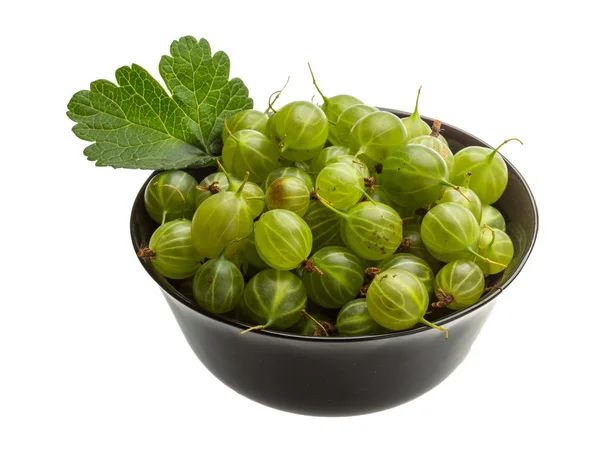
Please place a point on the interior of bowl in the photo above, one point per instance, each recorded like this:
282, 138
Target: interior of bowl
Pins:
517, 205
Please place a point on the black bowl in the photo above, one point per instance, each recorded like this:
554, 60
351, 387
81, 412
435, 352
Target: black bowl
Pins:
336, 376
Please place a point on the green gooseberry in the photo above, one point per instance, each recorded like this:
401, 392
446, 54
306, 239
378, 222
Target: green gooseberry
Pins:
221, 218
283, 240
341, 185
348, 118
458, 285
332, 276
210, 185
251, 192
354, 320
324, 225
451, 232
411, 263
377, 135
274, 299
246, 119
171, 251
466, 197
170, 195
356, 163
218, 285
301, 128
496, 245
373, 231
415, 176
328, 153
288, 193
398, 300
250, 151
434, 141
491, 217
290, 172
412, 244
489, 172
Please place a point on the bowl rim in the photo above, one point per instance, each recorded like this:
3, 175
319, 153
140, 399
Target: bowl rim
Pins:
167, 288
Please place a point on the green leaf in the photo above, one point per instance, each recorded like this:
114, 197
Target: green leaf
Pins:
138, 125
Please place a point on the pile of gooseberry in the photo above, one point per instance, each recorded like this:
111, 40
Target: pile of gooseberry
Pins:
332, 220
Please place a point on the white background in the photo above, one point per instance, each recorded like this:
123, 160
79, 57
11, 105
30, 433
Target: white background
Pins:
91, 357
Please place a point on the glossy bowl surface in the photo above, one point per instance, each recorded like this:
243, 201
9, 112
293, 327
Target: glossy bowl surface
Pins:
337, 376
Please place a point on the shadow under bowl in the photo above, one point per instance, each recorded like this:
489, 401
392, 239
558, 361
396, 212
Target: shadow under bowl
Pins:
337, 376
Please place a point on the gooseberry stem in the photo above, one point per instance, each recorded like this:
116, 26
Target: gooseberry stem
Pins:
241, 188
368, 196
257, 327
489, 261
328, 205
429, 324
315, 321
416, 111
436, 128
309, 266
271, 103
491, 155
146, 254
445, 299
325, 99
457, 188
228, 130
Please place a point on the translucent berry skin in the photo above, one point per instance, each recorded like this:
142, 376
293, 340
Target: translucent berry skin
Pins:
438, 146
412, 243
415, 127
397, 299
378, 134
412, 264
218, 285
450, 232
324, 225
247, 119
473, 203
463, 280
496, 246
341, 185
340, 279
333, 107
489, 174
175, 255
250, 190
290, 172
414, 176
354, 320
170, 195
348, 118
353, 162
275, 299
288, 193
250, 151
372, 231
220, 219
283, 240
491, 217
302, 127
218, 178
325, 156
252, 255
